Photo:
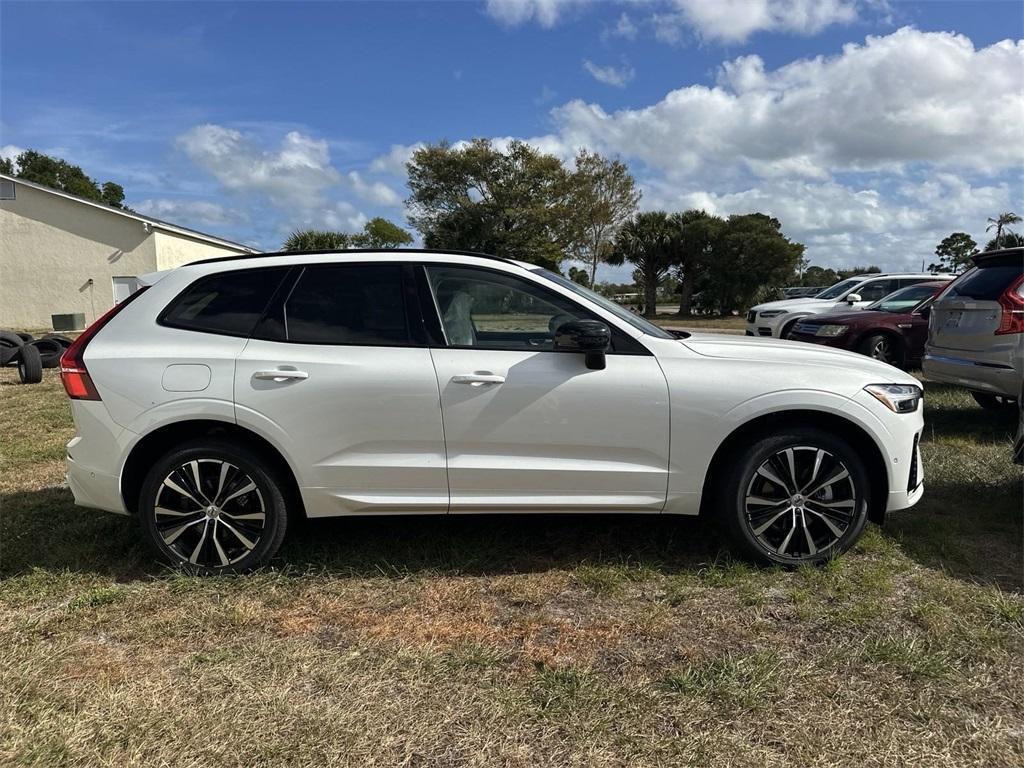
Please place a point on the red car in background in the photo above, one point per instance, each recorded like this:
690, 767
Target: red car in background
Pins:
892, 330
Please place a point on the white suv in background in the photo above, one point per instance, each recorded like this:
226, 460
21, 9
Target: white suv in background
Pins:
230, 395
777, 318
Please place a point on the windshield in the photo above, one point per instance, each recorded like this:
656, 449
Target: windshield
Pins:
904, 300
619, 311
837, 290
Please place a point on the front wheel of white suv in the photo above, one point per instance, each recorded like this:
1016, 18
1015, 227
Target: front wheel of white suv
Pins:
213, 507
794, 498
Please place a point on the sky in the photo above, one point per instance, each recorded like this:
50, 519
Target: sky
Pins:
870, 128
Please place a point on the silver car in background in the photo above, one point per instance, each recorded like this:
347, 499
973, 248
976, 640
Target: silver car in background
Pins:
976, 330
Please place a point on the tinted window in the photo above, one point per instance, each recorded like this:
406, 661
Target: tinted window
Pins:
229, 302
839, 289
876, 289
347, 304
906, 299
985, 283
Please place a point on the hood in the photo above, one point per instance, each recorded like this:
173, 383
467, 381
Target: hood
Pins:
851, 317
795, 353
793, 304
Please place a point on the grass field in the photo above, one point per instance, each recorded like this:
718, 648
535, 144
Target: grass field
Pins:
520, 641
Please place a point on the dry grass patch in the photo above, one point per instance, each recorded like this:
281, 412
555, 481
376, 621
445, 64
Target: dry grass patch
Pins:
514, 641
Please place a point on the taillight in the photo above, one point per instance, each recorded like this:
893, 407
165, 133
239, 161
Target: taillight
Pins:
73, 373
1012, 302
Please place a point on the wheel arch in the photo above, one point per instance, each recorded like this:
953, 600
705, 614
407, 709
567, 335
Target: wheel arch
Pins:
158, 442
856, 435
897, 337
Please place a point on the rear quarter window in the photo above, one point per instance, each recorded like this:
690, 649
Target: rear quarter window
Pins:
228, 303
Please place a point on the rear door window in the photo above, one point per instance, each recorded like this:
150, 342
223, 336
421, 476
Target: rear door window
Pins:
228, 303
876, 289
355, 304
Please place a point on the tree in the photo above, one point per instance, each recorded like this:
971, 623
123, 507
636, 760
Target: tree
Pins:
1001, 222
515, 202
316, 240
579, 276
381, 233
112, 194
749, 257
695, 238
59, 174
376, 233
954, 253
1009, 240
604, 195
814, 276
650, 242
842, 274
6, 166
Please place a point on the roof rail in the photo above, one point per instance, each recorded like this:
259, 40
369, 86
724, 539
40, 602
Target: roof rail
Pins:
443, 251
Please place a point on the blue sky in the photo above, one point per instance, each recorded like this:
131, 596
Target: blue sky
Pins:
870, 128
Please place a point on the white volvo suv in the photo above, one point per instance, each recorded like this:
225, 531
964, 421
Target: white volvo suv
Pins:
778, 318
229, 395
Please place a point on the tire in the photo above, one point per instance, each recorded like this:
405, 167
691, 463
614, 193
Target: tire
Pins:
8, 355
996, 403
883, 347
50, 351
10, 339
207, 543
788, 328
25, 337
832, 517
64, 341
30, 365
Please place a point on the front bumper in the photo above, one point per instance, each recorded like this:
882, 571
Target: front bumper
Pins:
766, 327
994, 378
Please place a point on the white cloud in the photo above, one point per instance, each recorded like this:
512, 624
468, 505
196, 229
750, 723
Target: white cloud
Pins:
723, 21
375, 192
909, 97
10, 152
871, 155
394, 161
186, 212
610, 75
733, 21
295, 174
624, 28
513, 13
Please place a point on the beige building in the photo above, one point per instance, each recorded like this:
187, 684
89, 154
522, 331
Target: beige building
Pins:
62, 254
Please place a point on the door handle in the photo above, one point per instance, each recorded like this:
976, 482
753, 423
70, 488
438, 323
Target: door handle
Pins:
478, 379
281, 374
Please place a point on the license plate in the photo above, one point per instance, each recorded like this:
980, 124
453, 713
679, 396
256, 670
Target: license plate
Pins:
953, 321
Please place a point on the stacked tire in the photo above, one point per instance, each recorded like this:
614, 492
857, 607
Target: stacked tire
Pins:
31, 355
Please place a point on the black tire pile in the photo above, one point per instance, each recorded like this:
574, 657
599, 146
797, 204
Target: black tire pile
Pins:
31, 355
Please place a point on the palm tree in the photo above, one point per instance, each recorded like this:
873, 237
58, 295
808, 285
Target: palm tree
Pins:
1001, 222
649, 241
316, 240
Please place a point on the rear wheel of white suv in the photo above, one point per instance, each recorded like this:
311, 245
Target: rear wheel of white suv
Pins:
213, 507
799, 497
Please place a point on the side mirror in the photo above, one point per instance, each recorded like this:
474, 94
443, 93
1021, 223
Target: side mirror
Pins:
925, 313
591, 337
853, 298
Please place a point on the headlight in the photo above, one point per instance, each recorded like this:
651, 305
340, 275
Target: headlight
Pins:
898, 398
830, 330
771, 313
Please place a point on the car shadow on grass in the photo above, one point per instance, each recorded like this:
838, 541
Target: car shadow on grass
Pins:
44, 529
